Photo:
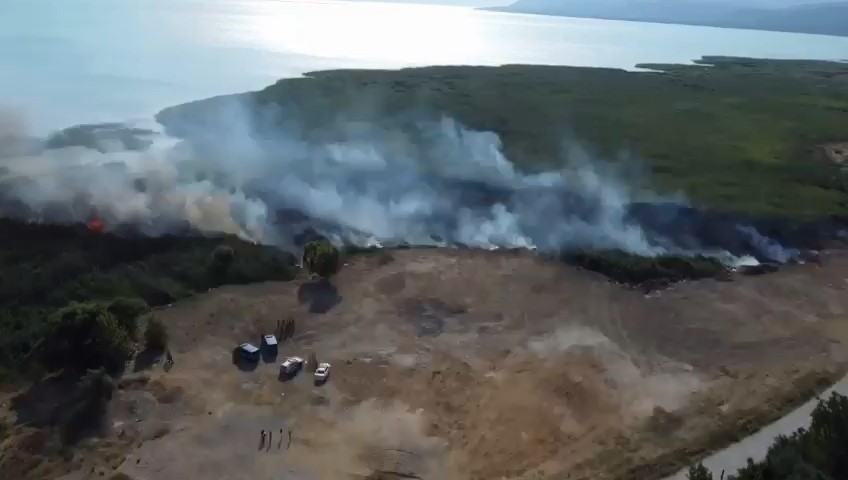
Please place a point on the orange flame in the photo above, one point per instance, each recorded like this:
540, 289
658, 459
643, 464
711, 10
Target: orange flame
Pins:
95, 225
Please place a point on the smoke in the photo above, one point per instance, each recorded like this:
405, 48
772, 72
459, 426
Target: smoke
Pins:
259, 173
665, 383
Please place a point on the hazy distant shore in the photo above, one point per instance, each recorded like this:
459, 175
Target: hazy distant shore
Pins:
817, 19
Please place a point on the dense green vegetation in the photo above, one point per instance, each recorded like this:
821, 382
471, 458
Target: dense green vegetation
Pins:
321, 258
647, 272
741, 134
155, 335
86, 336
735, 134
819, 452
70, 296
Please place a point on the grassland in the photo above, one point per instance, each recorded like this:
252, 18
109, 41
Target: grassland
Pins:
737, 134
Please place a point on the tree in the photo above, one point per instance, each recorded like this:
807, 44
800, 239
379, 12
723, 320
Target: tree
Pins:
321, 258
817, 453
155, 335
222, 258
86, 336
126, 311
699, 472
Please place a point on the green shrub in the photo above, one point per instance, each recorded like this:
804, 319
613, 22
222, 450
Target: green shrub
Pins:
222, 258
95, 386
321, 258
88, 408
126, 311
5, 428
86, 336
649, 272
155, 335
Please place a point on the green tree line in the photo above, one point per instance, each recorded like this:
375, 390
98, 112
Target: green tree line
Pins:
819, 452
68, 294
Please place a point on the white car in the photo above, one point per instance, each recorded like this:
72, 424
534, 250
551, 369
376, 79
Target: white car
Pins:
322, 372
292, 365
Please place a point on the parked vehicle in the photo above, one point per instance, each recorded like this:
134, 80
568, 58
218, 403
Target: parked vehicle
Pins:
269, 343
292, 365
322, 372
249, 352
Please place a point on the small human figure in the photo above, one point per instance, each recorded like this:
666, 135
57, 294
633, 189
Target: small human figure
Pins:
280, 443
270, 439
262, 439
289, 444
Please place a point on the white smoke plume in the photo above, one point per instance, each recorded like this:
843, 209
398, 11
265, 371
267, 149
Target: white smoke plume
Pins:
269, 180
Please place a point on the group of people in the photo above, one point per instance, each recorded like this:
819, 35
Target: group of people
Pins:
269, 435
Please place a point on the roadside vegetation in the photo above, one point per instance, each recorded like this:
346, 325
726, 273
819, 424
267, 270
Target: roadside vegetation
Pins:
819, 452
72, 297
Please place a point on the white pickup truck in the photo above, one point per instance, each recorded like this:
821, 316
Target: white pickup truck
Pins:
322, 372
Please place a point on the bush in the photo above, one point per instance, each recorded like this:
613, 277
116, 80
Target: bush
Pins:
699, 472
649, 272
86, 411
96, 386
155, 335
127, 311
321, 258
120, 476
222, 258
86, 336
5, 429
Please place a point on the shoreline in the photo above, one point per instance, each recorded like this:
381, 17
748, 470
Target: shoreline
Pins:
506, 9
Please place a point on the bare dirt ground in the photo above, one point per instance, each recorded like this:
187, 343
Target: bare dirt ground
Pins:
452, 365
836, 152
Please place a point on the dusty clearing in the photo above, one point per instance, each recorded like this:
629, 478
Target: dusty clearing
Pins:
474, 365
836, 152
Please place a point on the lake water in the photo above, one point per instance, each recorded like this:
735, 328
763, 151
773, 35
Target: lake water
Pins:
69, 61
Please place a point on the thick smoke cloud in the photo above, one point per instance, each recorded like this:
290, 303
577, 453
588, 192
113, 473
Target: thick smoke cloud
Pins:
256, 173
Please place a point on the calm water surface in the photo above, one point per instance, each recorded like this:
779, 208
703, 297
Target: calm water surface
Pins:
70, 61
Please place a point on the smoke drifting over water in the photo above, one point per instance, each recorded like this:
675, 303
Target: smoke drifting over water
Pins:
439, 184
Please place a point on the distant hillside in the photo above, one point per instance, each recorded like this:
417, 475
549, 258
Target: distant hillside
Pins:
818, 18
